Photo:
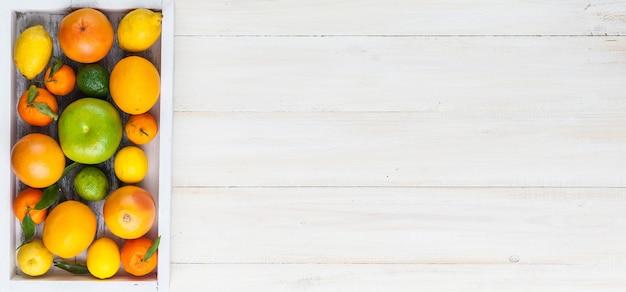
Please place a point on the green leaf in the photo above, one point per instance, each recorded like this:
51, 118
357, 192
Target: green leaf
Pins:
152, 249
28, 228
45, 109
50, 195
79, 269
32, 94
55, 66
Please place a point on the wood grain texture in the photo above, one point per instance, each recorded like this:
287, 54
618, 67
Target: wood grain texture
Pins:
495, 75
399, 146
370, 278
400, 149
399, 225
397, 17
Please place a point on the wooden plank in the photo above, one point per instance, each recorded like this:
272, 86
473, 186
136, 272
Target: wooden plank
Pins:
394, 17
400, 149
534, 226
366, 278
497, 75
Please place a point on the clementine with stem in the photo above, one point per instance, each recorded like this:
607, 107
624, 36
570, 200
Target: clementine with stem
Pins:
25, 203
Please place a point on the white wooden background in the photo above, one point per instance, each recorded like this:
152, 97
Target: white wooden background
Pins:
399, 145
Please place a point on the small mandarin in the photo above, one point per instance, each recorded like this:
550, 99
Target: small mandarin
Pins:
133, 257
62, 80
25, 203
141, 129
37, 107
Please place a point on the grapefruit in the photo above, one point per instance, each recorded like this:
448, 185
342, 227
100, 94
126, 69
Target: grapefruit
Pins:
90, 130
85, 35
129, 212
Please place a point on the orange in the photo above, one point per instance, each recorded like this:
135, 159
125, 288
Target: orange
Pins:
69, 229
141, 129
133, 257
85, 35
24, 203
129, 212
37, 107
37, 160
62, 80
135, 85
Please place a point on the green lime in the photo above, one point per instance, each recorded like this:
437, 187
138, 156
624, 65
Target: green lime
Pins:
91, 184
93, 80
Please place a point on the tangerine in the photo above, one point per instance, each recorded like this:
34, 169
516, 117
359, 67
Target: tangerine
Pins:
141, 129
60, 79
135, 85
37, 107
86, 35
129, 212
37, 160
69, 229
25, 203
133, 257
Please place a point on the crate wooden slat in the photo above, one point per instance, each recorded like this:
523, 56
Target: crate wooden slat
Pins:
400, 17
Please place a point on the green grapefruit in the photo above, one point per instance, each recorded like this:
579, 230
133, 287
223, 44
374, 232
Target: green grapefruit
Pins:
90, 130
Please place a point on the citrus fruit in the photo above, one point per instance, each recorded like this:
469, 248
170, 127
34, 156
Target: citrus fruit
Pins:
37, 160
33, 49
103, 258
91, 184
69, 229
93, 80
85, 35
133, 257
129, 212
130, 164
25, 203
141, 129
37, 107
135, 85
59, 79
33, 258
90, 130
139, 30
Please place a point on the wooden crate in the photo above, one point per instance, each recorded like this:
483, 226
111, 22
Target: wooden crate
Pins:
18, 15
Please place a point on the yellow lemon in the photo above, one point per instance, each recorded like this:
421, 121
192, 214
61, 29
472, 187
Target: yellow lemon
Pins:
103, 258
139, 30
69, 229
130, 164
33, 49
34, 259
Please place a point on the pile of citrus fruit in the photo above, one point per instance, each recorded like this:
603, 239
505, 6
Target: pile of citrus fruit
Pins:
83, 116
